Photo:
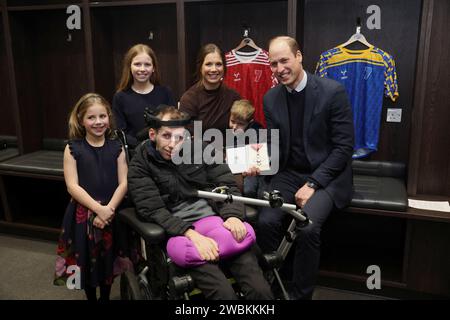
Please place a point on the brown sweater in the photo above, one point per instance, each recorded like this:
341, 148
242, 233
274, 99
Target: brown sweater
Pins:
212, 107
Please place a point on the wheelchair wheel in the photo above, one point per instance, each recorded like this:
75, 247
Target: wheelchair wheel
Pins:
145, 289
129, 287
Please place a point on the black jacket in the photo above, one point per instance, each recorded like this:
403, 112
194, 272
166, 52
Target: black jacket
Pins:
327, 133
156, 185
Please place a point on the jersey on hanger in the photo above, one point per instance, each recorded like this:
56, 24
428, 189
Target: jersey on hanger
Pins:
249, 74
367, 75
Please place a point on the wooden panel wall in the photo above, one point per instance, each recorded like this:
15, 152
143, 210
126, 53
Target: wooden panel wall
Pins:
429, 261
61, 76
31, 117
116, 29
430, 153
50, 71
222, 23
330, 23
7, 126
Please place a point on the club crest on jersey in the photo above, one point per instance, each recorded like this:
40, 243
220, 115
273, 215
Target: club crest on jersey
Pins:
237, 76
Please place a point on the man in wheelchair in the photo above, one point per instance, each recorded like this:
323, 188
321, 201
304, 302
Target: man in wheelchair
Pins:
203, 235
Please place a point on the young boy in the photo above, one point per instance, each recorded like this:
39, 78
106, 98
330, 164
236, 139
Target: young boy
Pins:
241, 119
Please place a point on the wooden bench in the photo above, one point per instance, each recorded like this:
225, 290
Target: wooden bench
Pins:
379, 185
46, 164
409, 245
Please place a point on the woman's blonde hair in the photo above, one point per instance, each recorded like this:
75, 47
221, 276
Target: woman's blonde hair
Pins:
126, 79
76, 129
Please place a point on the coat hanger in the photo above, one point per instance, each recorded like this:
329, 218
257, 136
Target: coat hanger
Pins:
247, 42
357, 37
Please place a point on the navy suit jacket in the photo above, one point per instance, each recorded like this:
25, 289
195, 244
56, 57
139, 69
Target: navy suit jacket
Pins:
328, 135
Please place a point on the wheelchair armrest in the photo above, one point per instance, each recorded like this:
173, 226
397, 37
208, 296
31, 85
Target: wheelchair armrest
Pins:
151, 232
272, 260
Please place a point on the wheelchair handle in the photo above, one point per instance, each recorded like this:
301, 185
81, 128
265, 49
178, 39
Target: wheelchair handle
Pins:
123, 139
289, 208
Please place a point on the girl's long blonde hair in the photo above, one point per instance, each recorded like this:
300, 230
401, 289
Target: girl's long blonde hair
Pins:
126, 80
76, 129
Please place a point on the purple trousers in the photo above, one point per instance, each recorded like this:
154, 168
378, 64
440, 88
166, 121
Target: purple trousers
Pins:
183, 252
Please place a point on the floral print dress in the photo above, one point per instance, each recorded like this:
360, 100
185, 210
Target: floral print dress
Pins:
96, 255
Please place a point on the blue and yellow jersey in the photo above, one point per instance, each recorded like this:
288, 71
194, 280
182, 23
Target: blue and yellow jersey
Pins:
367, 75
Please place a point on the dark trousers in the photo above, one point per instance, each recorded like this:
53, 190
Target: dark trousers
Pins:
272, 223
91, 293
245, 270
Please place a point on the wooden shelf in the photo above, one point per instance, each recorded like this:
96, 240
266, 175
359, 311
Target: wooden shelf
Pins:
100, 4
33, 5
411, 213
39, 7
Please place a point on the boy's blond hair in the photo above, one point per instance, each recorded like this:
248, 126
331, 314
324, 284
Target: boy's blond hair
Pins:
243, 110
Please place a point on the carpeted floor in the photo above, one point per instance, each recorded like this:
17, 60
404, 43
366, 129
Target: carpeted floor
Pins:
27, 271
27, 266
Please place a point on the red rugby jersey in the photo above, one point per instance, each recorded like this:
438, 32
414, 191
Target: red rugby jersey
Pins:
250, 75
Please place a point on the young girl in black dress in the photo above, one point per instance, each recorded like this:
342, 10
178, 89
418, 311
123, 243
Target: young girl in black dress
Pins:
95, 172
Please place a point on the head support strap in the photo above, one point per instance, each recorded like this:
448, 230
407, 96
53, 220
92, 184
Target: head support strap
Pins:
156, 123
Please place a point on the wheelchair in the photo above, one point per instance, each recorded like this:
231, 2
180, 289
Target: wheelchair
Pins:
156, 277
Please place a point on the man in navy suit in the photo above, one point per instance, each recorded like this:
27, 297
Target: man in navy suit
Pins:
314, 119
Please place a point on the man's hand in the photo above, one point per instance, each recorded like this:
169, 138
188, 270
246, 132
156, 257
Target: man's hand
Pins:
303, 194
253, 171
206, 247
236, 227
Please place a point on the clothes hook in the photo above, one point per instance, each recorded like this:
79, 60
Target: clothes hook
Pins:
150, 35
69, 37
358, 25
246, 31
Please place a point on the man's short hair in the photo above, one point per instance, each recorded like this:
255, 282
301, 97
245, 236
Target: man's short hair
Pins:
291, 42
243, 110
177, 118
174, 113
